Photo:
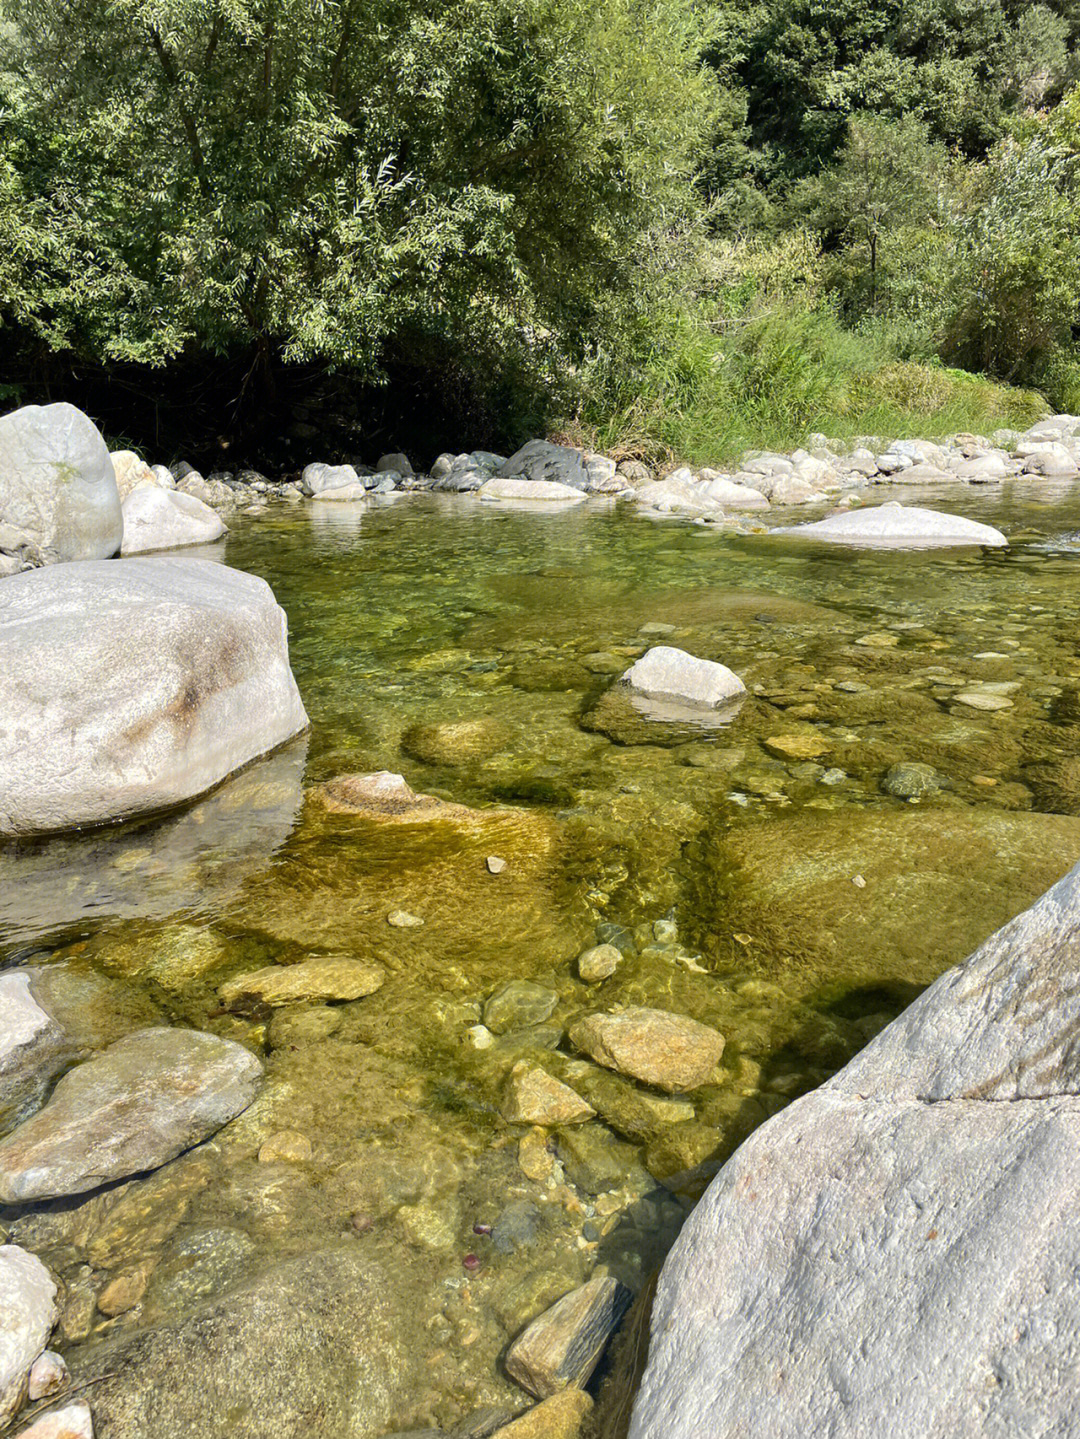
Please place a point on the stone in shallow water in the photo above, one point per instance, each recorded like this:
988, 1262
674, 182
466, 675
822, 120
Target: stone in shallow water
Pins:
48, 1375
312, 1348
797, 746
73, 1421
560, 1417
456, 742
911, 781
563, 1346
33, 1049
331, 977
896, 526
157, 519
667, 673
597, 1162
535, 1097
662, 1049
150, 1096
982, 700
517, 1004
598, 963
384, 796
28, 1311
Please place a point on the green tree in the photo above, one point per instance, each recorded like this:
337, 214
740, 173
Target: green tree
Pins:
332, 179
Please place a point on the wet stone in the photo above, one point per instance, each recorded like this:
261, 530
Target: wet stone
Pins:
305, 1026
797, 746
518, 1004
481, 1424
516, 1227
48, 1375
72, 1421
532, 1096
560, 1417
911, 781
332, 977
201, 1263
598, 963
535, 1159
564, 1346
289, 1146
666, 1050
596, 1161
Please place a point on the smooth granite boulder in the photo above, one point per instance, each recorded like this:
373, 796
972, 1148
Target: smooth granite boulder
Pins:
131, 686
57, 483
157, 519
896, 1253
667, 673
28, 1312
140, 1103
895, 526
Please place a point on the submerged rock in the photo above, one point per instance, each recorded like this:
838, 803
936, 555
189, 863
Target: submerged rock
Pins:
58, 485
666, 1050
147, 1098
157, 519
563, 1346
560, 1417
28, 1311
911, 781
183, 676
875, 1243
898, 527
535, 1097
386, 797
517, 1004
331, 977
456, 742
33, 1049
313, 1348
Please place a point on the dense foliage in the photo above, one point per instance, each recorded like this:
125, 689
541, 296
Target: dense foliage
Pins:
677, 225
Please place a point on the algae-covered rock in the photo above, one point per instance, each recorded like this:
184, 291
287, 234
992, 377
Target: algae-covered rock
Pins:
456, 742
517, 1004
313, 1348
936, 882
331, 977
533, 1096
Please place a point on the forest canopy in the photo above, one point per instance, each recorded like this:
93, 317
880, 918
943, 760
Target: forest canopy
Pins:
652, 218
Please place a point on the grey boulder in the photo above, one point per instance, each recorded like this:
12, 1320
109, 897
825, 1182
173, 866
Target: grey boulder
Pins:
159, 519
140, 1103
58, 485
541, 460
28, 1312
896, 1253
895, 526
134, 685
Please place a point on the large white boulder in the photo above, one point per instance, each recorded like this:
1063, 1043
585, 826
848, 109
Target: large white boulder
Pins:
895, 526
157, 519
530, 491
133, 685
132, 471
895, 1254
667, 673
57, 483
319, 479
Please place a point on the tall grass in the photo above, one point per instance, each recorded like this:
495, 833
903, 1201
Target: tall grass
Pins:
702, 394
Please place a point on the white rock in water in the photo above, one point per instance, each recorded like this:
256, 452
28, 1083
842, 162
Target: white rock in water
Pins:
667, 673
158, 519
131, 685
140, 1103
33, 1049
57, 483
512, 488
73, 1421
895, 1254
28, 1312
317, 479
132, 471
729, 493
899, 527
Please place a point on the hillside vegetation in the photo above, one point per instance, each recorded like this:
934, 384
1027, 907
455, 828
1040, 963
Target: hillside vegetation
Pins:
665, 226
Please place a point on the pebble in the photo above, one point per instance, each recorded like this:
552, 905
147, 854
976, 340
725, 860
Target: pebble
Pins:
517, 1004
535, 1159
533, 1096
495, 864
858, 881
882, 640
480, 1037
598, 963
124, 1292
797, 746
287, 1147
401, 919
48, 1375
981, 700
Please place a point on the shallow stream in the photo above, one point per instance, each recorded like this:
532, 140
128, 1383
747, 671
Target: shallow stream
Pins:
756, 876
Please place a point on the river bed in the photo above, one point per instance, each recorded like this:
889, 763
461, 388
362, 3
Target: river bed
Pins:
776, 877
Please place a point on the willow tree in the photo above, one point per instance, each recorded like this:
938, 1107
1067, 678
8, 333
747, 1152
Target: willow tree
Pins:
319, 178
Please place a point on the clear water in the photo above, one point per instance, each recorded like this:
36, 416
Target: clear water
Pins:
757, 877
